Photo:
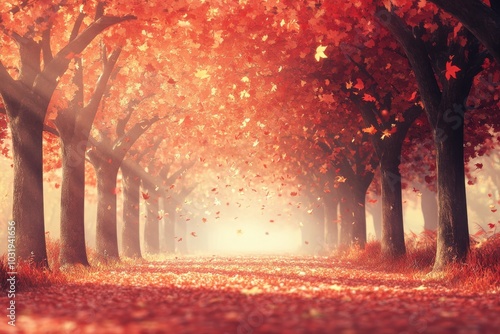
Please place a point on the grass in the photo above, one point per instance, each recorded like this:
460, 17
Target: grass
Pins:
480, 271
29, 276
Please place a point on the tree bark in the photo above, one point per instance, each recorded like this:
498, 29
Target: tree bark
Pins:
152, 225
73, 248
28, 212
393, 242
429, 206
359, 215
453, 230
332, 234
106, 236
169, 226
346, 217
131, 244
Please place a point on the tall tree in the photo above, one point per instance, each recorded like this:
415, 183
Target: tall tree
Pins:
454, 62
106, 155
27, 99
74, 124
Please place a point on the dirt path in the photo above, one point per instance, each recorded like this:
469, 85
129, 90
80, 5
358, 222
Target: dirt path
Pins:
244, 295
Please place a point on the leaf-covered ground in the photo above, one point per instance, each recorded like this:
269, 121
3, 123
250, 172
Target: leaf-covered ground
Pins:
244, 295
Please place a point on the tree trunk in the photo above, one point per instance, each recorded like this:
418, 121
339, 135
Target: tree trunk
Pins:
359, 217
106, 235
346, 218
182, 233
169, 226
27, 211
453, 230
377, 220
332, 234
130, 233
73, 248
318, 216
152, 226
393, 242
429, 206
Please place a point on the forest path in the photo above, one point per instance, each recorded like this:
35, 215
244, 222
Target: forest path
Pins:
244, 295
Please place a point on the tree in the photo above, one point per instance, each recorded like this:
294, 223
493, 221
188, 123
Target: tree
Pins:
26, 100
74, 124
106, 155
455, 64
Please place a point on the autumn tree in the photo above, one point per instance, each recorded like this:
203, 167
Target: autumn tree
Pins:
131, 183
26, 95
74, 124
106, 155
444, 69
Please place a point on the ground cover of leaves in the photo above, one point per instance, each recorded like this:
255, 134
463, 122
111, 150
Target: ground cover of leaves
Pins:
244, 295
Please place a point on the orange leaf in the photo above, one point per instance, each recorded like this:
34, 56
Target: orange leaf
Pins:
371, 130
145, 195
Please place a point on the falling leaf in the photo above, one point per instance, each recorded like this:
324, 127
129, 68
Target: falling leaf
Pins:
145, 195
202, 74
413, 96
359, 84
451, 70
320, 53
386, 134
369, 98
371, 130
193, 234
479, 166
204, 220
293, 193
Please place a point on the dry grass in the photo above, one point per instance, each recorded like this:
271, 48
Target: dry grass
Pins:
29, 276
480, 271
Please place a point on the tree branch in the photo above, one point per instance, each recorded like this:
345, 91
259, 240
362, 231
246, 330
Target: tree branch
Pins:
417, 55
481, 20
59, 64
90, 110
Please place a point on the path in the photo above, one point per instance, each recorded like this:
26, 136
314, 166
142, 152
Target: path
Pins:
247, 295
